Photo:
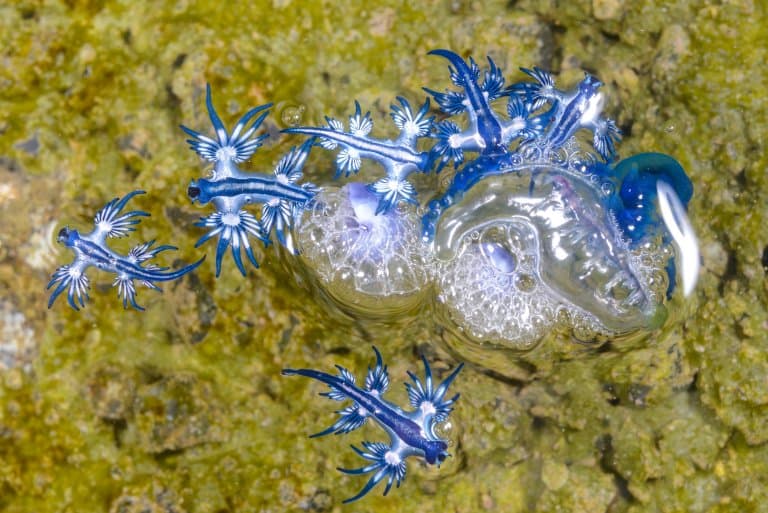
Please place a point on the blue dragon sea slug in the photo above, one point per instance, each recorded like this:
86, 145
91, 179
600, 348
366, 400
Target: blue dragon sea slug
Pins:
363, 239
230, 189
411, 433
538, 230
91, 250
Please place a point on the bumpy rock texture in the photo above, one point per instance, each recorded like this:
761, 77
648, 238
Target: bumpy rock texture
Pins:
181, 408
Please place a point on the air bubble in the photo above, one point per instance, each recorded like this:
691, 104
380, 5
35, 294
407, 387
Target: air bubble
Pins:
291, 115
525, 283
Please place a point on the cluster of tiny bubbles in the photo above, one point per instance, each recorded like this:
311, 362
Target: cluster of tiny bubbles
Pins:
651, 259
373, 265
491, 289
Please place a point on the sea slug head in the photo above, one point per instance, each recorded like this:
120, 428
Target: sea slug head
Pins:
589, 86
197, 191
435, 452
67, 236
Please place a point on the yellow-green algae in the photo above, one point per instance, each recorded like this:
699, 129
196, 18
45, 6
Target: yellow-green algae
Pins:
181, 408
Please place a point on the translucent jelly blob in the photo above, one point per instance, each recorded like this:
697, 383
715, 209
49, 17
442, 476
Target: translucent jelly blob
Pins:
373, 265
536, 249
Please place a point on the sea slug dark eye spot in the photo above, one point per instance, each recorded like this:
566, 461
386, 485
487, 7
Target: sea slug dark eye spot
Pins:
63, 234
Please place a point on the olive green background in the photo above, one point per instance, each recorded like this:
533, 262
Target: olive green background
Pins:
182, 408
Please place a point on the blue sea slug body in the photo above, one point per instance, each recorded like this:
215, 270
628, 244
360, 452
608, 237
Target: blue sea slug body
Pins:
399, 158
411, 433
91, 250
230, 189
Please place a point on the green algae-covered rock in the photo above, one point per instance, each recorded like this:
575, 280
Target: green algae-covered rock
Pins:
182, 409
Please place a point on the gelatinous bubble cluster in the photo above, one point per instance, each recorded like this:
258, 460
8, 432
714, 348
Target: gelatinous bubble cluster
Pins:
368, 262
491, 288
529, 252
524, 253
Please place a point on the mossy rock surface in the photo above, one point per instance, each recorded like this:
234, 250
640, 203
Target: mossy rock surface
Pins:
182, 408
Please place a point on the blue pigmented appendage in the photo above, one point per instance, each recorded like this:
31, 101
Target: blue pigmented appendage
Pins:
411, 433
91, 250
230, 189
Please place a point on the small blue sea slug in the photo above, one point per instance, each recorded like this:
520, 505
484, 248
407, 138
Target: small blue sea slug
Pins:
91, 250
230, 189
411, 433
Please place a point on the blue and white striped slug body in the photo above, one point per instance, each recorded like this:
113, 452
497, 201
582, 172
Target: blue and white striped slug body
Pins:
399, 158
91, 250
411, 433
230, 189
